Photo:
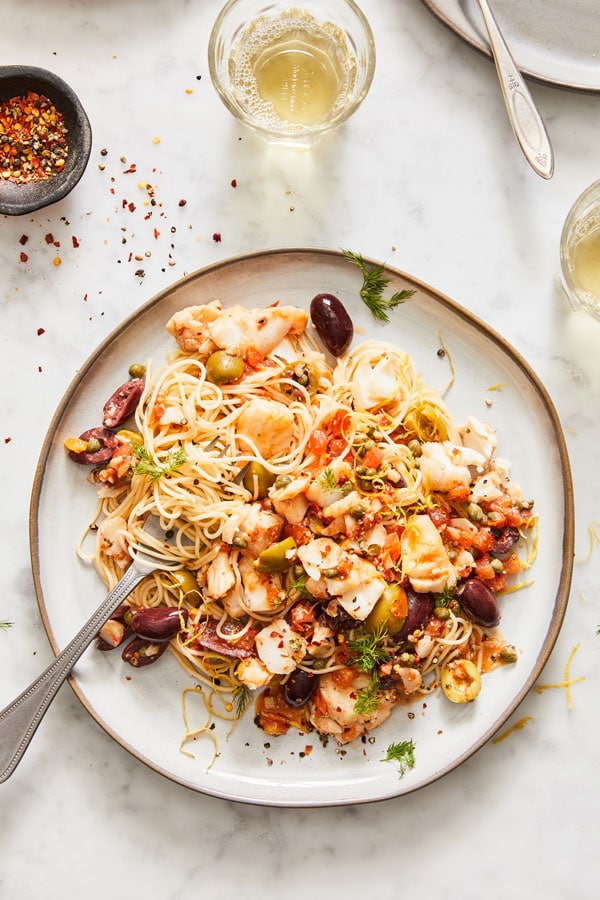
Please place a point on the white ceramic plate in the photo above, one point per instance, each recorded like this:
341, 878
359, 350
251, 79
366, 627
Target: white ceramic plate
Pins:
555, 41
141, 709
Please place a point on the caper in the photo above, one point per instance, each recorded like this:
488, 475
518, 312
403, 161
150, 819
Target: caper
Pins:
257, 480
374, 549
498, 566
282, 481
137, 370
278, 558
93, 445
331, 573
415, 447
508, 654
222, 367
358, 512
442, 613
475, 512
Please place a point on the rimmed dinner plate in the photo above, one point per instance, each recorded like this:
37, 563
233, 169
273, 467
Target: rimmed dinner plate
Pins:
142, 710
552, 41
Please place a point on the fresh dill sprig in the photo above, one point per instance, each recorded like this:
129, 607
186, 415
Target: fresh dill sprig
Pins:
5, 624
403, 753
373, 287
148, 466
327, 480
368, 650
299, 585
445, 598
242, 697
369, 697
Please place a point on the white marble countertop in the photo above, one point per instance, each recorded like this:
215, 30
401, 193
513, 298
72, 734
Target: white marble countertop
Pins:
427, 176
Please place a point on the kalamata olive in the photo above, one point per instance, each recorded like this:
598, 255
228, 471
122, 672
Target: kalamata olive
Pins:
299, 688
139, 652
479, 603
158, 623
504, 540
230, 644
106, 444
420, 610
334, 325
122, 403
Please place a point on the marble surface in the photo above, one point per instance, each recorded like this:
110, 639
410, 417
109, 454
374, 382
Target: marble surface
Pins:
427, 176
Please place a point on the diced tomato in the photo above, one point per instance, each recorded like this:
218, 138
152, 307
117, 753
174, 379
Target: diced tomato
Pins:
254, 357
337, 445
458, 494
392, 547
435, 627
372, 458
439, 516
512, 564
484, 569
302, 617
482, 540
317, 442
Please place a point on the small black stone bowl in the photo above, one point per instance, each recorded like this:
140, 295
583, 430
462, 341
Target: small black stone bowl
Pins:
20, 199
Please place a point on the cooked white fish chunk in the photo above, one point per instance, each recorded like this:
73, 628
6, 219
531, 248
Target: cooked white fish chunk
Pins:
189, 327
269, 425
279, 647
425, 560
332, 706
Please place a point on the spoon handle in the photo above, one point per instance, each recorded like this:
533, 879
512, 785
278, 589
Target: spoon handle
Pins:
20, 719
525, 119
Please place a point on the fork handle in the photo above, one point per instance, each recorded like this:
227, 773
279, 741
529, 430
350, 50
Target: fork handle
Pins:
20, 719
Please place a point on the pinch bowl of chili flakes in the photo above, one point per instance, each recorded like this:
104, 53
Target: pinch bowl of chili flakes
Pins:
45, 139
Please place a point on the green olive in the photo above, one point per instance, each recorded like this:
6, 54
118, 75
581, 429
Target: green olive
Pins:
302, 373
278, 558
257, 480
222, 367
185, 580
390, 612
461, 681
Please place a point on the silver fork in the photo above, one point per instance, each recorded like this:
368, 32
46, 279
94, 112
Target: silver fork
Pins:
20, 719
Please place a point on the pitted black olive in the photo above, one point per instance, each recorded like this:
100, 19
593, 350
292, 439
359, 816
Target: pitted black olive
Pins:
299, 688
479, 603
334, 325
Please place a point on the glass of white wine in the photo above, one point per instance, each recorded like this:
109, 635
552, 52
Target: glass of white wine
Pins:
580, 252
292, 73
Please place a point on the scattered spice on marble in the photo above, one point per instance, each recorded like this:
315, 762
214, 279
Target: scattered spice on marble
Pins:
23, 239
182, 202
217, 237
33, 139
234, 182
41, 331
49, 238
23, 257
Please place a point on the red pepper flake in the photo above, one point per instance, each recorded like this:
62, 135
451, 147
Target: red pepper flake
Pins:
131, 207
234, 182
49, 238
34, 145
156, 234
23, 257
41, 331
75, 242
182, 202
23, 240
217, 237
7, 440
132, 168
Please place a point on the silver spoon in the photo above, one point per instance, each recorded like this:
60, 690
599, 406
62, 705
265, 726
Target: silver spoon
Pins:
525, 119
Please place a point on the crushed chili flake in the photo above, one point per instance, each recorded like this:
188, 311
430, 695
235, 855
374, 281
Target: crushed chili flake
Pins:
217, 237
41, 331
7, 440
182, 202
33, 144
49, 238
234, 182
23, 257
75, 242
23, 240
